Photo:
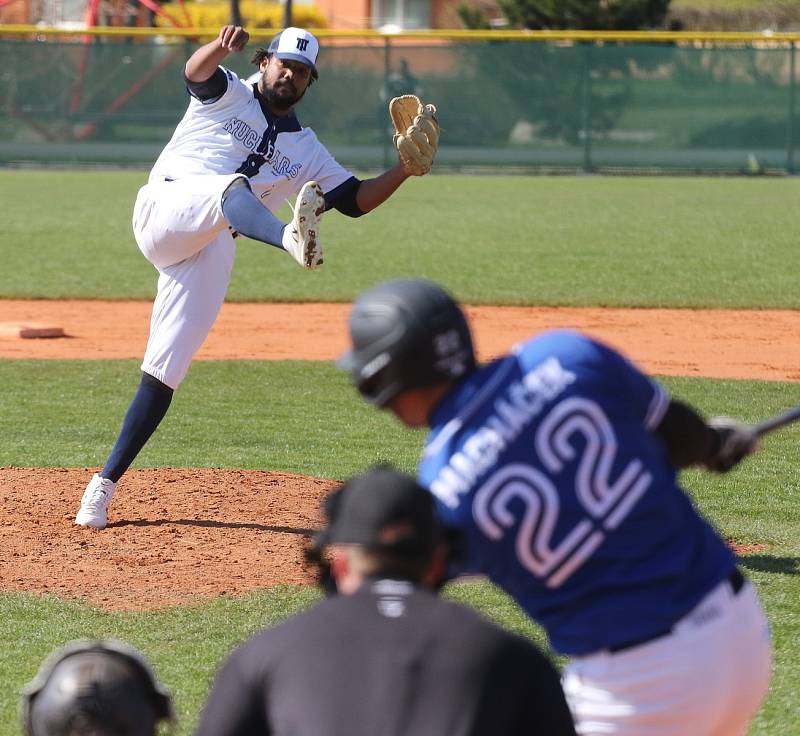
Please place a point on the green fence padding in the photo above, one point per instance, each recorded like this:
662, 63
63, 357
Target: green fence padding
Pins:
502, 104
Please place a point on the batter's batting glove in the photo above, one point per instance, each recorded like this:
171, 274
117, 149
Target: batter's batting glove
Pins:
736, 441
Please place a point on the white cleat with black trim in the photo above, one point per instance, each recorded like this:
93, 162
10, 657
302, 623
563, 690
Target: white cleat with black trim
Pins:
301, 235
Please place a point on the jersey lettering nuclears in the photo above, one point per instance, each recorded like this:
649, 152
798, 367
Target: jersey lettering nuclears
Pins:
548, 463
237, 134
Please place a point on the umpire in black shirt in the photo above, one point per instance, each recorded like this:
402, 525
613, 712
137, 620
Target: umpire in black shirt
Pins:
386, 656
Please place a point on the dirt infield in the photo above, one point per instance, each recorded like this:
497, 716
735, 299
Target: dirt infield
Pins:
718, 343
186, 535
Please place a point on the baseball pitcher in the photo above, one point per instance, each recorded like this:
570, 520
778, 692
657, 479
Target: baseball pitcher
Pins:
238, 153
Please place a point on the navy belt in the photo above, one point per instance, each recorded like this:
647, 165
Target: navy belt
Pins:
735, 580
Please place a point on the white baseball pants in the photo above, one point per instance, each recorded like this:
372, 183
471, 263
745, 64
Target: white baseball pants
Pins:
180, 229
708, 677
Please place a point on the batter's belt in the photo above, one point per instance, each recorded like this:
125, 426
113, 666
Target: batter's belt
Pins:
736, 580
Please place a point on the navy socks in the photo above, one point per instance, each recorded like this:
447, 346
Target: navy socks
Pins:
249, 217
147, 409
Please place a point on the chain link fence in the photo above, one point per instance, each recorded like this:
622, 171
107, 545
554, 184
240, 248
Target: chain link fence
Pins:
505, 104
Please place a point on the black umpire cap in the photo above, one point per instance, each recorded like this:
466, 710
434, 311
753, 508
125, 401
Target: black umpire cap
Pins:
383, 510
406, 334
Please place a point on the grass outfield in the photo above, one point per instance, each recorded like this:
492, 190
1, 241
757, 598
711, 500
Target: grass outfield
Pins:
614, 241
43, 415
515, 240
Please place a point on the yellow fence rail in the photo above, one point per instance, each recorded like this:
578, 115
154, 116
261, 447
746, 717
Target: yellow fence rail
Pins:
689, 37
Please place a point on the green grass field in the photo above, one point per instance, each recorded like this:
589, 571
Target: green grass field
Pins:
639, 241
491, 239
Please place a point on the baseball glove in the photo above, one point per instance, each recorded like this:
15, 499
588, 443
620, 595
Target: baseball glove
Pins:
416, 135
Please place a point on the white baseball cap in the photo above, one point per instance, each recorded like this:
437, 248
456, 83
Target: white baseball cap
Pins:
296, 44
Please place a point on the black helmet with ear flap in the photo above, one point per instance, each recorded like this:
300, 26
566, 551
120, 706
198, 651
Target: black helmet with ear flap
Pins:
95, 688
406, 333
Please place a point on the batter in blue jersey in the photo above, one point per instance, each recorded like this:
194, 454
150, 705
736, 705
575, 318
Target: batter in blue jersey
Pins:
557, 466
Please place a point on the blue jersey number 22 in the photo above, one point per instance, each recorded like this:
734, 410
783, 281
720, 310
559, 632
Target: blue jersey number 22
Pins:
606, 502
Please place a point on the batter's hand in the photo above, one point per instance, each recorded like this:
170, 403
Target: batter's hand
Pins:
736, 441
233, 38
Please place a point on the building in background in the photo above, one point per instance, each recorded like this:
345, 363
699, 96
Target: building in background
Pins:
75, 13
392, 16
389, 16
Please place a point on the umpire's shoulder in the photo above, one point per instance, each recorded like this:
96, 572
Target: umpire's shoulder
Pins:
283, 636
467, 622
463, 618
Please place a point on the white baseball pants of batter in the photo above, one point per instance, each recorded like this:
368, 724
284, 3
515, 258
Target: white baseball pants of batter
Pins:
180, 229
708, 677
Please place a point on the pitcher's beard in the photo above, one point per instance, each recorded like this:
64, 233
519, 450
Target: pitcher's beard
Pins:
283, 97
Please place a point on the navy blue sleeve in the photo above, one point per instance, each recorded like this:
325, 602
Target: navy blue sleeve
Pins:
343, 198
210, 90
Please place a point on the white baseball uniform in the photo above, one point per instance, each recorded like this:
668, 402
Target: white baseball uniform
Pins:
178, 221
709, 676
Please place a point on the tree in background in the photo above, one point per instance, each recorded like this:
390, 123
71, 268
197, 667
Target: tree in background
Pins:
566, 94
473, 17
596, 15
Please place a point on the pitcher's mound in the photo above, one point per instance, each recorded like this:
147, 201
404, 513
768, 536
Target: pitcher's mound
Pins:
174, 535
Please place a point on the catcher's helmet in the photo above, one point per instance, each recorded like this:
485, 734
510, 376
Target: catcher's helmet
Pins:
95, 688
406, 333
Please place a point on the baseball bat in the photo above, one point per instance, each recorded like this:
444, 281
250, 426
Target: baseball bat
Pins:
778, 421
